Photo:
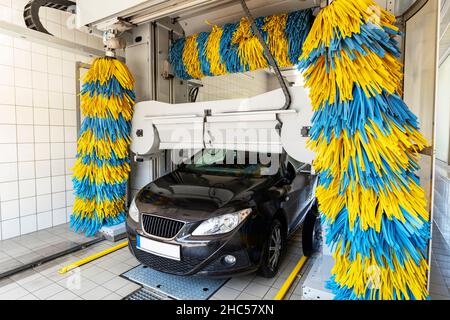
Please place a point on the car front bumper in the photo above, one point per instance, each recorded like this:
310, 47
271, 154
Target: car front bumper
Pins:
203, 258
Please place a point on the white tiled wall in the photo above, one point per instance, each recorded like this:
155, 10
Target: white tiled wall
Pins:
38, 120
38, 130
234, 86
60, 24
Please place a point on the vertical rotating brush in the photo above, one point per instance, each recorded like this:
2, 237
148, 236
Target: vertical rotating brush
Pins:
102, 166
367, 145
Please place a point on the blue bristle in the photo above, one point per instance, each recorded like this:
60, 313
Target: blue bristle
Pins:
205, 66
84, 189
90, 226
104, 119
346, 293
402, 237
298, 25
113, 161
106, 127
108, 89
228, 50
372, 39
385, 245
176, 60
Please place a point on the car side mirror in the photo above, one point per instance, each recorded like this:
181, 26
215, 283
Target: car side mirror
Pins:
286, 189
279, 192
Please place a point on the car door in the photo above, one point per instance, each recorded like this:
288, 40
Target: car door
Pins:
300, 190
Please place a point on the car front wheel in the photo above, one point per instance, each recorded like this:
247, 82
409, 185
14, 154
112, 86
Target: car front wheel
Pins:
311, 233
273, 250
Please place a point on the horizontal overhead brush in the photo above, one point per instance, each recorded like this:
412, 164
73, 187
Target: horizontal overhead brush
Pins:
235, 48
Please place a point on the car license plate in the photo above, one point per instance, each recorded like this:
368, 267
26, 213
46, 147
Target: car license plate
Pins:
166, 250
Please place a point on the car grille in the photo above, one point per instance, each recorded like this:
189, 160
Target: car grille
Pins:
184, 266
161, 227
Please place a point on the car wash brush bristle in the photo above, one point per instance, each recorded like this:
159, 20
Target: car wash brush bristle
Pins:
235, 48
367, 144
102, 166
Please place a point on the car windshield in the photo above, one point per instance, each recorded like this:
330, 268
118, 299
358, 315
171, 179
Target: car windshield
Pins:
232, 162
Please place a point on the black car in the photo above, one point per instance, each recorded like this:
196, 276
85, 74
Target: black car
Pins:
223, 213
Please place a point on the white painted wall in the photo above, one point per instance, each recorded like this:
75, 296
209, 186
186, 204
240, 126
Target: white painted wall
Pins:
443, 113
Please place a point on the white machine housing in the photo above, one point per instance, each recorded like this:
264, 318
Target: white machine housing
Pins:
192, 14
257, 124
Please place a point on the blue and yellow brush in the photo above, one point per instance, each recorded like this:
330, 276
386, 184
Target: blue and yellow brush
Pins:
102, 166
367, 144
235, 48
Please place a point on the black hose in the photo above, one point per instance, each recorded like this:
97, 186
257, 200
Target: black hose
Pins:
31, 12
269, 56
193, 93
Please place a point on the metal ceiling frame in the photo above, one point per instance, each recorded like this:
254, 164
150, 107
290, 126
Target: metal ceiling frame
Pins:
148, 15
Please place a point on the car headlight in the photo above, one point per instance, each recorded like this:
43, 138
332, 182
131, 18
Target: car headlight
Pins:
133, 211
221, 224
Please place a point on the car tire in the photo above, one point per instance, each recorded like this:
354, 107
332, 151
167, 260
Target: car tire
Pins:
312, 232
274, 246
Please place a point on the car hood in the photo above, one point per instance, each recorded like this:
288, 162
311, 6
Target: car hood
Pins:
193, 197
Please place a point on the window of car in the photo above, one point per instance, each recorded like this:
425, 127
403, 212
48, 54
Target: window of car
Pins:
232, 162
299, 166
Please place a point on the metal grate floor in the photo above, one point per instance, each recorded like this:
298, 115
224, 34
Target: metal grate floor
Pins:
146, 294
172, 286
